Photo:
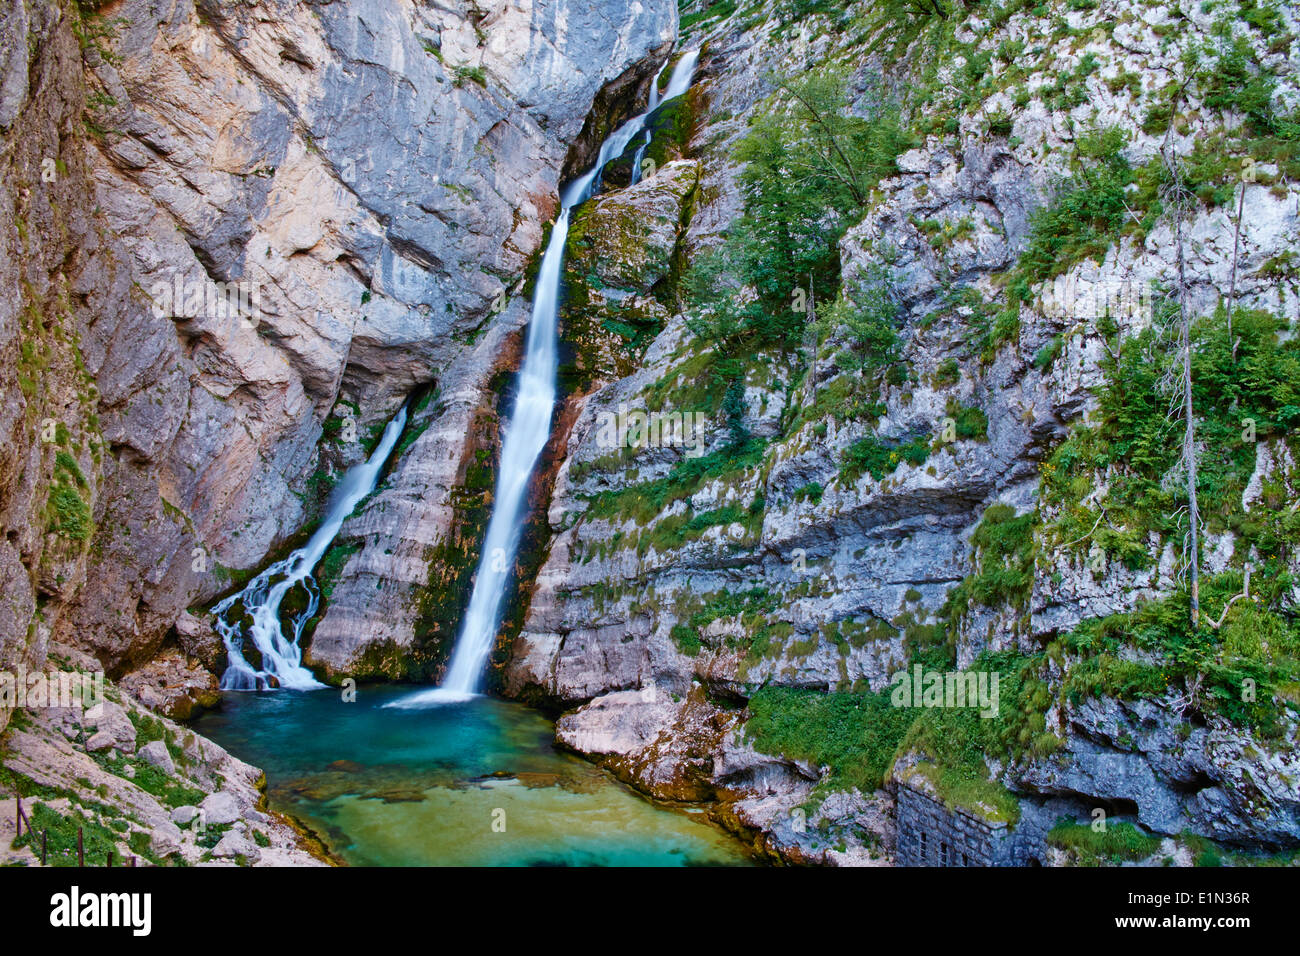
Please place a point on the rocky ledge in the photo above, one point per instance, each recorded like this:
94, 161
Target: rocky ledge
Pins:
137, 786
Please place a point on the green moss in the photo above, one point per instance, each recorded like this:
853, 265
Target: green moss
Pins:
331, 565
69, 514
686, 639
948, 373
970, 422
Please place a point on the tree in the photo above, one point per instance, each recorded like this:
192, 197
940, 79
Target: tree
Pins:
1175, 195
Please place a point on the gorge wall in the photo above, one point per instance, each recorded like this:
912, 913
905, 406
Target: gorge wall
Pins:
952, 446
718, 622
372, 178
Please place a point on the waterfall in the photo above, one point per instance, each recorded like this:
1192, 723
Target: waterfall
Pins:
649, 135
529, 424
282, 656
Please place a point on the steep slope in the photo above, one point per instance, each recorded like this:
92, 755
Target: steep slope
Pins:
958, 456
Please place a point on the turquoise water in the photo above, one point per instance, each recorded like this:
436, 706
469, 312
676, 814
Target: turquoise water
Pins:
475, 784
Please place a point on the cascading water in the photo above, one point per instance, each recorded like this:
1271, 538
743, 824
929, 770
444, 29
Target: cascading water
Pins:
530, 423
282, 656
649, 135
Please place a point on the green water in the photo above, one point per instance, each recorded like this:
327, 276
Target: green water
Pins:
474, 784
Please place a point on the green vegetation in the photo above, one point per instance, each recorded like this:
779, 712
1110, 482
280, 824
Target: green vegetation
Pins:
853, 734
750, 606
869, 317
715, 11
955, 741
98, 841
331, 565
880, 457
1118, 843
686, 639
859, 735
644, 501
1003, 547
675, 531
473, 74
69, 514
810, 164
969, 422
1135, 442
1244, 671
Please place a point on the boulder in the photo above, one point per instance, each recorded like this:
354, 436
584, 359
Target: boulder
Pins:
220, 808
173, 686
156, 753
113, 727
165, 839
236, 844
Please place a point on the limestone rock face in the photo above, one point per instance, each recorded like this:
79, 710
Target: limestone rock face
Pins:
1214, 781
655, 615
278, 206
393, 610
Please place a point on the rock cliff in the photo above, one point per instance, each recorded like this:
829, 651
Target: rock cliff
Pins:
230, 231
918, 510
876, 357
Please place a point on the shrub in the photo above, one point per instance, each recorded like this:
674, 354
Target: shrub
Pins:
881, 457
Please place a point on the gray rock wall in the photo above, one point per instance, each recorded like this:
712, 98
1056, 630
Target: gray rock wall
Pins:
375, 173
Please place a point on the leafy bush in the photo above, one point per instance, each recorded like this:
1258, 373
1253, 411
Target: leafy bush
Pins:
1259, 642
1084, 218
787, 236
1134, 439
1004, 559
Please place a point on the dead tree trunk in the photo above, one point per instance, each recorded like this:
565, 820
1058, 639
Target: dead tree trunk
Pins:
1176, 194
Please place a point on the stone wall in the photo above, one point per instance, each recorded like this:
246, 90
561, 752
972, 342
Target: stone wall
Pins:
929, 834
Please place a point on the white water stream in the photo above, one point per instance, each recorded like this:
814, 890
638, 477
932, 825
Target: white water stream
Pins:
525, 436
530, 423
261, 598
